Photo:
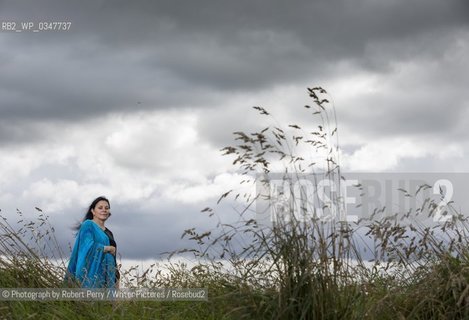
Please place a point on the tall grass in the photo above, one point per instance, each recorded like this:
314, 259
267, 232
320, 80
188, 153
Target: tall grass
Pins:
28, 252
30, 257
310, 263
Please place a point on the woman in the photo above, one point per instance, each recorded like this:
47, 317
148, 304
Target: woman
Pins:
93, 260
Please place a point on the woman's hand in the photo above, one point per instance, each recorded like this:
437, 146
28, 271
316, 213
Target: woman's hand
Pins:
110, 249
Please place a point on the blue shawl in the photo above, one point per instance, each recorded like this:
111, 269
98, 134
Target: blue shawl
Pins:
89, 265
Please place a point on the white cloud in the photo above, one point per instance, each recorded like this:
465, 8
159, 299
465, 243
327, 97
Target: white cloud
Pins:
382, 155
52, 197
127, 157
210, 189
386, 154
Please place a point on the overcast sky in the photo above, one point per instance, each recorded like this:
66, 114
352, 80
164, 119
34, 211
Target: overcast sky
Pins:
135, 101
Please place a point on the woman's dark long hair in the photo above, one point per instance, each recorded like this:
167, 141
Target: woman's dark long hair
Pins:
89, 214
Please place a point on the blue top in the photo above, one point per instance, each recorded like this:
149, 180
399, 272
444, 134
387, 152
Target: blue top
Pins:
89, 265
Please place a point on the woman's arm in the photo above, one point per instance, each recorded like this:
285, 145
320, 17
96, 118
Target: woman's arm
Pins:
90, 256
110, 249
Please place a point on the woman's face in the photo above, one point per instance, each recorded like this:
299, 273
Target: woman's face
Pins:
101, 210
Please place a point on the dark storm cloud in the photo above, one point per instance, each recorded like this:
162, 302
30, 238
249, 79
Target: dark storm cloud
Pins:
170, 53
404, 114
